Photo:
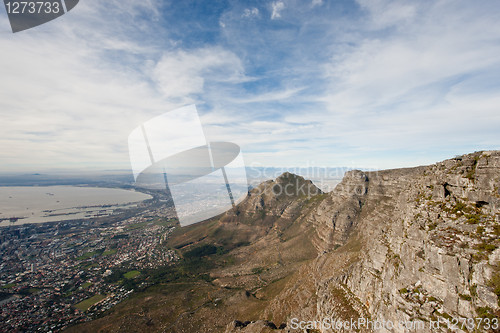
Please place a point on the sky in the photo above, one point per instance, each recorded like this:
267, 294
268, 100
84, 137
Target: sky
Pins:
361, 84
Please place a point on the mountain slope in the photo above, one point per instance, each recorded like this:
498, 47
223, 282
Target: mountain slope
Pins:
263, 241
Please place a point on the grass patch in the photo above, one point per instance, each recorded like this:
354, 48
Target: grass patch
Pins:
131, 274
29, 291
86, 285
473, 290
165, 222
87, 265
90, 255
433, 299
275, 287
257, 270
137, 225
496, 229
495, 283
460, 208
9, 286
347, 311
486, 247
86, 304
109, 252
317, 198
473, 218
485, 312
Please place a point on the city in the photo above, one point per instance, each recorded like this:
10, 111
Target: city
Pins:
54, 275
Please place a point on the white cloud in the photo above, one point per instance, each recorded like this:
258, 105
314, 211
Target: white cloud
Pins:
59, 109
71, 98
408, 72
181, 74
279, 96
250, 12
316, 3
277, 7
385, 70
386, 13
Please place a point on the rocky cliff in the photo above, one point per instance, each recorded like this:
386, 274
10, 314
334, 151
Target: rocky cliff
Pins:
416, 249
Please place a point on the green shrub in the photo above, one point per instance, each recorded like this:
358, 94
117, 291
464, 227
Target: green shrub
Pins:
432, 299
486, 247
473, 290
496, 229
472, 218
257, 270
495, 283
485, 312
201, 251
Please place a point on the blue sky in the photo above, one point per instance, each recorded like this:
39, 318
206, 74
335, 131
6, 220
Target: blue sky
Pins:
363, 84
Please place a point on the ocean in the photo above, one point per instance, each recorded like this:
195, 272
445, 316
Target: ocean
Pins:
38, 204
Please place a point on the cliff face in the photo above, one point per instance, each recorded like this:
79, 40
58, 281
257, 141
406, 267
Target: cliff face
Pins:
404, 245
430, 237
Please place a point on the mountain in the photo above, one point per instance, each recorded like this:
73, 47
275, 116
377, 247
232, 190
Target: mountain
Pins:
399, 246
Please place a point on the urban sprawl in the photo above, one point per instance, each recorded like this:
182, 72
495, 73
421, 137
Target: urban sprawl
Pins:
54, 275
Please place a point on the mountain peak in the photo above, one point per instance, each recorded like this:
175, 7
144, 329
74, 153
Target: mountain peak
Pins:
291, 185
287, 176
